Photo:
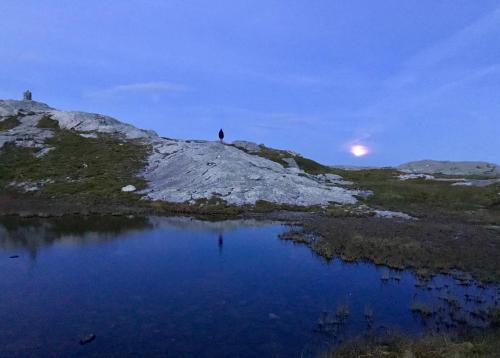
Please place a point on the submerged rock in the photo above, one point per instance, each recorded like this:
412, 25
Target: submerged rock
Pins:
87, 339
273, 316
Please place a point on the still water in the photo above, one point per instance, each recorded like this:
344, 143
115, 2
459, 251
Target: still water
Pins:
181, 287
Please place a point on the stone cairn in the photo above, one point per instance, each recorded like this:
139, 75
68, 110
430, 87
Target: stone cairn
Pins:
27, 95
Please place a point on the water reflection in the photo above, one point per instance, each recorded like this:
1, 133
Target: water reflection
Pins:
183, 287
32, 234
221, 243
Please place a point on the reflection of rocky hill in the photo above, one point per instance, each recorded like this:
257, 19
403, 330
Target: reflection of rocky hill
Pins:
187, 223
32, 234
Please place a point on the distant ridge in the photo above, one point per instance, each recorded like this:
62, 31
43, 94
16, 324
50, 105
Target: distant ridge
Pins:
451, 168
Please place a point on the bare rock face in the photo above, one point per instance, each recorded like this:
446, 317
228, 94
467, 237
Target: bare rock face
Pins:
90, 122
26, 134
249, 147
182, 171
291, 162
451, 168
29, 113
10, 107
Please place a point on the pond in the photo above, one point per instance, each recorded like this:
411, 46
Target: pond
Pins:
184, 287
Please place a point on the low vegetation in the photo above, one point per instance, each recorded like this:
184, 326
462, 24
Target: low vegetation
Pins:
438, 346
426, 197
419, 197
82, 171
425, 246
9, 123
48, 123
307, 165
220, 209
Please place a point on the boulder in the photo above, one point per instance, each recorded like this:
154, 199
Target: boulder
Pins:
129, 189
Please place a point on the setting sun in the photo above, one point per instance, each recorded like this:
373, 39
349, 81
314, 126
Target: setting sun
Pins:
359, 150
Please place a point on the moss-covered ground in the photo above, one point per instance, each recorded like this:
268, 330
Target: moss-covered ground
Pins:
9, 123
82, 171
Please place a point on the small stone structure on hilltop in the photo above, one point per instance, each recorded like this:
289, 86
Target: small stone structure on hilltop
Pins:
27, 95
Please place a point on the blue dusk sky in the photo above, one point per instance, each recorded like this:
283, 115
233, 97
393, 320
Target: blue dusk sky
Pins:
409, 79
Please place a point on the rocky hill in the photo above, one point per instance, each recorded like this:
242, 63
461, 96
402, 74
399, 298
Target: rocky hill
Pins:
470, 168
60, 150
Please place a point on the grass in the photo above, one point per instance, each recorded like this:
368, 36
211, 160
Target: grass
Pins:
419, 197
220, 209
425, 197
421, 309
213, 207
425, 246
82, 170
438, 346
494, 317
9, 123
307, 165
48, 123
89, 173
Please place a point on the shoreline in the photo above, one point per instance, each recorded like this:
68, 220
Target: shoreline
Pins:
427, 246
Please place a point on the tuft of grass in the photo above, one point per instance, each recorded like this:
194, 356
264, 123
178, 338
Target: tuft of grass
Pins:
273, 154
422, 309
48, 123
310, 166
307, 165
9, 123
264, 206
494, 317
342, 312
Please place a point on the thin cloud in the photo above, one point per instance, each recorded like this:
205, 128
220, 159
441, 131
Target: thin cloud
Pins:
425, 76
153, 88
461, 39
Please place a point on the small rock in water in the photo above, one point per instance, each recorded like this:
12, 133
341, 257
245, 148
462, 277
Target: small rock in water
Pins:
13, 257
87, 339
273, 316
129, 188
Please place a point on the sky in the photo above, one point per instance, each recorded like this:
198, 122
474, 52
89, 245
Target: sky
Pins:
408, 80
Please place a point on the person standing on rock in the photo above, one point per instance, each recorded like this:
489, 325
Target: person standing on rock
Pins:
221, 135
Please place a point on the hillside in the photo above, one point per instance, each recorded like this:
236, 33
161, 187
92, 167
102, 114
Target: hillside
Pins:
62, 153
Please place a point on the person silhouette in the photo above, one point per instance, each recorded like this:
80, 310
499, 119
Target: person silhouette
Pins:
221, 135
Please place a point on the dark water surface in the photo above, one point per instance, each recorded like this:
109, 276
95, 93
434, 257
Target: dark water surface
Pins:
180, 287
